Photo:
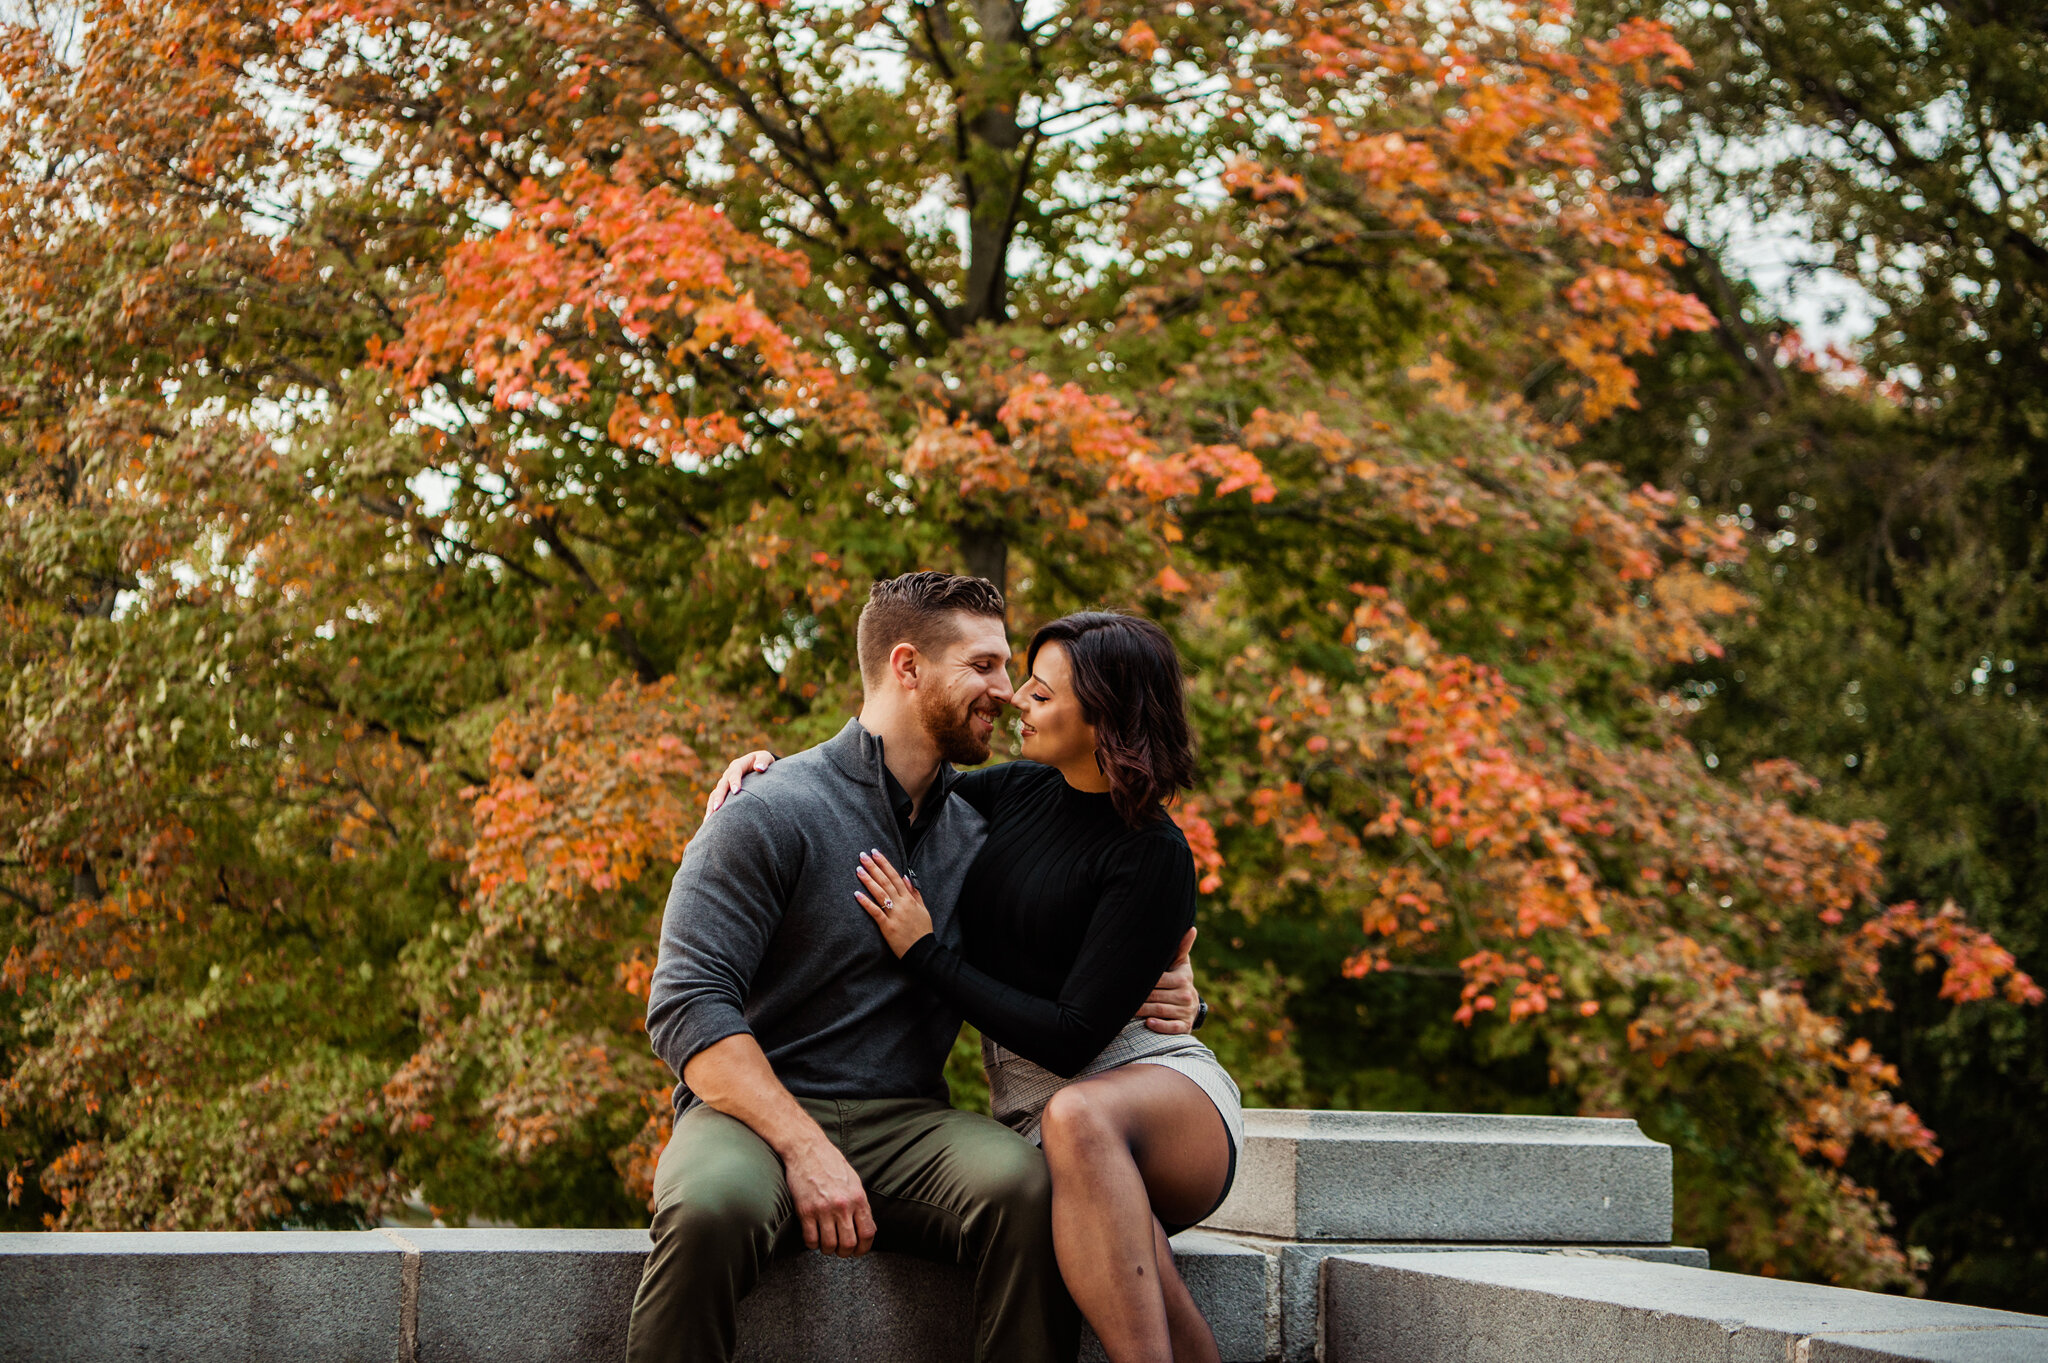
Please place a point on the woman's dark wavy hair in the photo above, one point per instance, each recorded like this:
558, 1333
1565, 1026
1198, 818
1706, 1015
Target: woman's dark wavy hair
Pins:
1127, 676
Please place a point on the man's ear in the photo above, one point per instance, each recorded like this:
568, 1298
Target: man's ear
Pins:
905, 665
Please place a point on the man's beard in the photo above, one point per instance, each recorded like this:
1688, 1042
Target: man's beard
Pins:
952, 730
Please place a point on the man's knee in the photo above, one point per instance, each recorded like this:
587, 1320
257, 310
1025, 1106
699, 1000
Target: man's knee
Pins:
1012, 1179
717, 1220
712, 1238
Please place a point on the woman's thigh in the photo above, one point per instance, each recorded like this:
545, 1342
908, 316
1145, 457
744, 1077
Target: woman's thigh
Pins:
1172, 1129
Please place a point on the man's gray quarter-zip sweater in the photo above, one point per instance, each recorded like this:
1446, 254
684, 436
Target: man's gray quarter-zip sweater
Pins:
762, 933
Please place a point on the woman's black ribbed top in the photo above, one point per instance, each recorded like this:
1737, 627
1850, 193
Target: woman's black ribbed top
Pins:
1067, 917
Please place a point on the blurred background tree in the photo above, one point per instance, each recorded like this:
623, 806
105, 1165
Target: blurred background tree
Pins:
435, 432
1886, 163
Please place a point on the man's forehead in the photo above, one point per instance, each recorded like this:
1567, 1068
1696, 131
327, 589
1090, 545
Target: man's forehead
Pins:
981, 636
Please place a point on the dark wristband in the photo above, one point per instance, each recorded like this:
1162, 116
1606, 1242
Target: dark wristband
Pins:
1201, 1015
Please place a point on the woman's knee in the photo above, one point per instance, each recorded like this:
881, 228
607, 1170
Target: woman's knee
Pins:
1078, 1120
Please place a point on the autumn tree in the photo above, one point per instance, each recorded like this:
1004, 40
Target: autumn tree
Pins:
436, 432
1891, 489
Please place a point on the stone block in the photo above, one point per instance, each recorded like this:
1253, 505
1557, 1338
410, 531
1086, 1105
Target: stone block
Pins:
199, 1297
509, 1296
879, 1309
497, 1296
1475, 1307
1301, 1275
1931, 1346
1440, 1176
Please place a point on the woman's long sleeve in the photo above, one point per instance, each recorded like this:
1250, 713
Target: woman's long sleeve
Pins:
1147, 903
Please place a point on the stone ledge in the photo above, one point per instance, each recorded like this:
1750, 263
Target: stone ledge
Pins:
1298, 1293
495, 1296
1474, 1307
1430, 1176
1929, 1346
224, 1296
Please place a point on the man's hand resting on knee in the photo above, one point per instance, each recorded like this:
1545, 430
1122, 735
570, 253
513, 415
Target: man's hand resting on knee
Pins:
829, 1200
734, 1077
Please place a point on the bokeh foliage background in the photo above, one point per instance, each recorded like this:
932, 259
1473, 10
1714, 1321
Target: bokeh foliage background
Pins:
436, 432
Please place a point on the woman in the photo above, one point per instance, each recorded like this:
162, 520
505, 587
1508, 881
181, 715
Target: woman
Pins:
1077, 901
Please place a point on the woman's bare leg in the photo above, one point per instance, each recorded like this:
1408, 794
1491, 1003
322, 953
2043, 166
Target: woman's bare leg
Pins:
1128, 1149
1186, 1326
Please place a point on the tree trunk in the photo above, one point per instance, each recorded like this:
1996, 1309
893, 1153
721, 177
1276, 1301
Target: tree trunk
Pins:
986, 553
991, 179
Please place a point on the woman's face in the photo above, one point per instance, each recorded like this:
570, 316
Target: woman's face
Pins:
1050, 715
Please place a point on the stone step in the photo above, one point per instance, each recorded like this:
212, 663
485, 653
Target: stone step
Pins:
1471, 1307
1301, 1276
1427, 1176
496, 1296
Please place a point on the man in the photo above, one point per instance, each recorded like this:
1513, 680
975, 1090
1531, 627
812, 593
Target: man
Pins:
812, 1103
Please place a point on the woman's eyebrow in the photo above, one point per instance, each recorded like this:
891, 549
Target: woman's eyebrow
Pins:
1035, 680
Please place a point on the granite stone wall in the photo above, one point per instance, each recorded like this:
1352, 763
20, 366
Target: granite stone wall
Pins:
1350, 1238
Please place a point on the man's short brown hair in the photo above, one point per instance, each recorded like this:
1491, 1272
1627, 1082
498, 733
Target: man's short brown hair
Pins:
922, 610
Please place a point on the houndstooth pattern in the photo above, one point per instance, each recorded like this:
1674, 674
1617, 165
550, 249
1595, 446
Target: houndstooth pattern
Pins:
1019, 1090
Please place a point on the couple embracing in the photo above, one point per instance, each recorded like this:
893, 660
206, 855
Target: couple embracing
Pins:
839, 914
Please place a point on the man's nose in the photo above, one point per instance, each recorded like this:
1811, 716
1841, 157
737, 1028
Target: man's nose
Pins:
1001, 689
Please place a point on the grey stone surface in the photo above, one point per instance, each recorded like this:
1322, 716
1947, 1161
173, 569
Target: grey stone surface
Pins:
504, 1296
881, 1309
1301, 1272
199, 1297
1479, 1307
1932, 1346
498, 1296
1441, 1176
1351, 1199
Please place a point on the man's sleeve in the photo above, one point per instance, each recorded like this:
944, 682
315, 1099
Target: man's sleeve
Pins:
723, 909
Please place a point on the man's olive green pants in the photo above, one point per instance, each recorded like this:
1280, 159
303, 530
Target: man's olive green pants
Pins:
943, 1184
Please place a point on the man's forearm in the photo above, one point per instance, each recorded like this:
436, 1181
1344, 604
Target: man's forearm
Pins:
734, 1076
1174, 1007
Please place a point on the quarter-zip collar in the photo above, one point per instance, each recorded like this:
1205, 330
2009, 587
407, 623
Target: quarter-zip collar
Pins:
859, 754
